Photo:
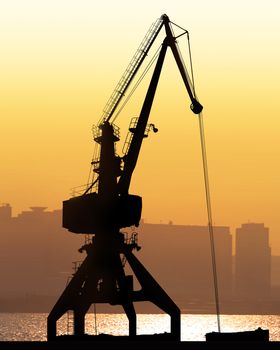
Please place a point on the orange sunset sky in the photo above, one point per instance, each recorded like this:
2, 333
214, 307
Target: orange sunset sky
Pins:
61, 60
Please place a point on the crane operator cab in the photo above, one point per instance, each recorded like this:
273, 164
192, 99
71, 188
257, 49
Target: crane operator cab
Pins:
88, 213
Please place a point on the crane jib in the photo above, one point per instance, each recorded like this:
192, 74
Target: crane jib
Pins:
137, 61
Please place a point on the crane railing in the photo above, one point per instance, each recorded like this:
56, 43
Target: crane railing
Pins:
131, 70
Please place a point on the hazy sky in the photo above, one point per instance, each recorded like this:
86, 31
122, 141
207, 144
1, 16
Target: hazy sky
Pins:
60, 61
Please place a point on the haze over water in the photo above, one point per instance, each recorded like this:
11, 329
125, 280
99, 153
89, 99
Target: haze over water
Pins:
32, 326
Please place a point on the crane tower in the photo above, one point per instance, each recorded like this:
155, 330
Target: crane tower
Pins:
103, 213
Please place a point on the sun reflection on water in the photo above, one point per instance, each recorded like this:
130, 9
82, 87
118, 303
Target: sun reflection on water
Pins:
33, 327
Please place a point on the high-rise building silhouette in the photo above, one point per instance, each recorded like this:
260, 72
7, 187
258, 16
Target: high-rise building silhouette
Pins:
180, 256
253, 261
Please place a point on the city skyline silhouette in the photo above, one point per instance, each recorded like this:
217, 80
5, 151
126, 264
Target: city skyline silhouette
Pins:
37, 257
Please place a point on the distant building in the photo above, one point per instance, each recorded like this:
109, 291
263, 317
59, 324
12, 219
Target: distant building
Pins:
5, 212
275, 271
180, 258
253, 261
36, 253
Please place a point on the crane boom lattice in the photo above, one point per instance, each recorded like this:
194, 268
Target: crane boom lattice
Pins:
131, 70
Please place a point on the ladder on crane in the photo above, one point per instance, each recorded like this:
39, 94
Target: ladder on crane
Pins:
70, 314
131, 70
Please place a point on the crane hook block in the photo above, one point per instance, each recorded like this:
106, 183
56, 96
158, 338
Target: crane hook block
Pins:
91, 214
196, 107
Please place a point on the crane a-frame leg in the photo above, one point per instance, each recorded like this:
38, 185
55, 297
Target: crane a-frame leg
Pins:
101, 279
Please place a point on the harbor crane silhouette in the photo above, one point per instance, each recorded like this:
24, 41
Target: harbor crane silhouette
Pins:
101, 277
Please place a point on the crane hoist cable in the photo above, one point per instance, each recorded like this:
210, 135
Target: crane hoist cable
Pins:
207, 195
209, 212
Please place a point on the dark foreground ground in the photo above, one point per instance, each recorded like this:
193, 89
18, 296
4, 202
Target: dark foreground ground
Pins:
137, 345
